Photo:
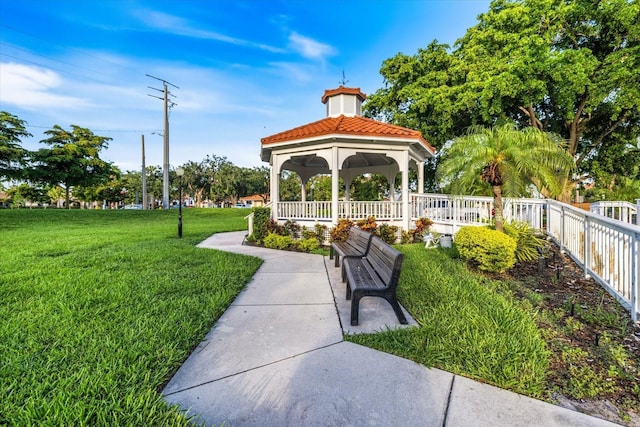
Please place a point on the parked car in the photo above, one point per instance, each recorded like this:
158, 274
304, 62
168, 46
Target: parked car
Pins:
241, 205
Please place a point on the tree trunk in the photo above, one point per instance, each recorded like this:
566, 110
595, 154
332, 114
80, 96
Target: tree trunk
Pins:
67, 196
497, 207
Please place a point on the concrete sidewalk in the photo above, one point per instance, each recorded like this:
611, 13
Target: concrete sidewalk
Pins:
276, 357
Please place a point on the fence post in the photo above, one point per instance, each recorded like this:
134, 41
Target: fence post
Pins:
587, 246
562, 225
637, 211
635, 275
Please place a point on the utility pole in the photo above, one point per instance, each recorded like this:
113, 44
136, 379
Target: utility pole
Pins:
145, 198
165, 164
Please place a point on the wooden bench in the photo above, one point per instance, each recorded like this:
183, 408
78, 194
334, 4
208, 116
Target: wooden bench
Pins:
375, 274
357, 244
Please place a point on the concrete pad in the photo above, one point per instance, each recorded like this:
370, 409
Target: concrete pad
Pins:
376, 314
247, 337
480, 405
341, 385
296, 262
286, 288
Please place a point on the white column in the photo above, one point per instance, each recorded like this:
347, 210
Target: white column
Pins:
637, 211
405, 190
391, 180
421, 177
335, 181
347, 189
275, 185
303, 189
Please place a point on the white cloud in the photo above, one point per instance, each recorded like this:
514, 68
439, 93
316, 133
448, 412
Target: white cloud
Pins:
180, 26
31, 88
310, 48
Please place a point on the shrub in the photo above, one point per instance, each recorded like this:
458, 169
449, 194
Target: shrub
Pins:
272, 226
369, 225
261, 217
340, 232
276, 241
491, 250
319, 232
388, 233
422, 227
307, 245
290, 228
527, 239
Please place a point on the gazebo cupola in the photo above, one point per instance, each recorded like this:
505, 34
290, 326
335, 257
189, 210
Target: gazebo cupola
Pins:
343, 101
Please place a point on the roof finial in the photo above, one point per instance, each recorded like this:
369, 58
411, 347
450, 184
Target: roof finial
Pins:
344, 80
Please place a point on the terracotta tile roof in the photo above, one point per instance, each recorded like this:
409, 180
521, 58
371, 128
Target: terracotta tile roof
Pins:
345, 125
346, 90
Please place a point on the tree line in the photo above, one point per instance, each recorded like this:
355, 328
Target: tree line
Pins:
69, 167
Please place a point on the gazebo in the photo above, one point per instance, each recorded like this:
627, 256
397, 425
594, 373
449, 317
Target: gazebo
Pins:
345, 145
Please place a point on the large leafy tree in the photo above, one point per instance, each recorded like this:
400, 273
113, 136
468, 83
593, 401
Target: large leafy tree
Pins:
12, 154
72, 159
571, 67
506, 159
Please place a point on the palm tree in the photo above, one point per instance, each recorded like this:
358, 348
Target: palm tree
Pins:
507, 159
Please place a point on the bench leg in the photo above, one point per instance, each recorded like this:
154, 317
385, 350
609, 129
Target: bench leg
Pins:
337, 263
355, 307
397, 310
348, 297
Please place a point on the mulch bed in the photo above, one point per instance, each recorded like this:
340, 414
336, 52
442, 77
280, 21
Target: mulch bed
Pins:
577, 300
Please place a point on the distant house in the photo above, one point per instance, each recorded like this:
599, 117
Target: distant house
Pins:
255, 200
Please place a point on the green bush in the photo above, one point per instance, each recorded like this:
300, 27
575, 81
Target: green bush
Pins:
307, 245
527, 239
276, 241
388, 233
261, 217
491, 250
319, 233
291, 228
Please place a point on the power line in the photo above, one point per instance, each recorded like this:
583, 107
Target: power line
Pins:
80, 51
45, 57
104, 130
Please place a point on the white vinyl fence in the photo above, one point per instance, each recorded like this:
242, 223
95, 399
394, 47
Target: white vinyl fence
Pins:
622, 211
608, 250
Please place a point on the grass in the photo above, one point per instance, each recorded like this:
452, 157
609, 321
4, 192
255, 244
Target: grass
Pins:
99, 308
465, 327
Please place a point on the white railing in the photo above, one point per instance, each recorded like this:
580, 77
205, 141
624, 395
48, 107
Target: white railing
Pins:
363, 210
608, 250
321, 210
458, 211
620, 210
313, 210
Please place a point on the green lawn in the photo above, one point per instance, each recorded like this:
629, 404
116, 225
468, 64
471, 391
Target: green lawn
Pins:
99, 308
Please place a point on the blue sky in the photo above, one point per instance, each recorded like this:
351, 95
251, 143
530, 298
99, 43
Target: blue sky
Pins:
245, 69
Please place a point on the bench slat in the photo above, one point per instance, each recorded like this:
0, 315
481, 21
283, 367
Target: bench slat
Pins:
357, 244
